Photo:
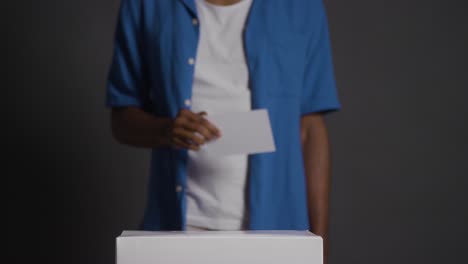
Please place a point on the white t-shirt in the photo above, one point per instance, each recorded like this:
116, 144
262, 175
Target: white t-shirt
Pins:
216, 186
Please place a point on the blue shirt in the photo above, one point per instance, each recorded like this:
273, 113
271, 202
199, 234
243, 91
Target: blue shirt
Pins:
291, 74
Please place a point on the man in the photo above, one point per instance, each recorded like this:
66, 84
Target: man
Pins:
176, 61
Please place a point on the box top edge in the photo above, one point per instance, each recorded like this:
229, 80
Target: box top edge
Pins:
250, 233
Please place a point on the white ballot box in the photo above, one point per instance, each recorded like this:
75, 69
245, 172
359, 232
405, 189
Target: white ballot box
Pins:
219, 247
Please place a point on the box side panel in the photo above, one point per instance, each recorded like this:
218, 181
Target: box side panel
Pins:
151, 250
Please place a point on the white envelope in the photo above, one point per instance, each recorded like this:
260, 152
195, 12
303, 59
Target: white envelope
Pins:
241, 133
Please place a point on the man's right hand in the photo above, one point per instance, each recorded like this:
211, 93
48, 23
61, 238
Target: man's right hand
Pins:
191, 130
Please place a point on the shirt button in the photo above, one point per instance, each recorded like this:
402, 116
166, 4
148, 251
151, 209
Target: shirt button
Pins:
178, 189
191, 61
187, 102
195, 21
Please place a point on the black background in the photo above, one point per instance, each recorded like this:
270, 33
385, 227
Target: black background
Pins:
399, 144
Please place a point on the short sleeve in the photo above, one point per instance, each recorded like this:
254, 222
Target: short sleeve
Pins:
125, 84
319, 91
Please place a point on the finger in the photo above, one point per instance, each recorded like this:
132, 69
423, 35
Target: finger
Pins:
188, 136
191, 116
212, 128
180, 121
184, 145
181, 143
199, 128
178, 143
184, 112
200, 119
194, 126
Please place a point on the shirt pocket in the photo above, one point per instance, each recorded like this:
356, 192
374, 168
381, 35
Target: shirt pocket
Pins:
286, 61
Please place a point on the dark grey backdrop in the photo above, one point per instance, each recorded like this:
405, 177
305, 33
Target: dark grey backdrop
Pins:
399, 145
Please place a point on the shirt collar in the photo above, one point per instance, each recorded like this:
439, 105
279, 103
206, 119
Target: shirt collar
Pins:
190, 4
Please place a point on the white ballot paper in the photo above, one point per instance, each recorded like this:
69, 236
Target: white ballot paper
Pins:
241, 133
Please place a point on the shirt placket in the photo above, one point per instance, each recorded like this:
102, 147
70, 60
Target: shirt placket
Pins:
187, 103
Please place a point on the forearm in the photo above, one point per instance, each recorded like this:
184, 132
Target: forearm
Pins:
135, 127
316, 153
